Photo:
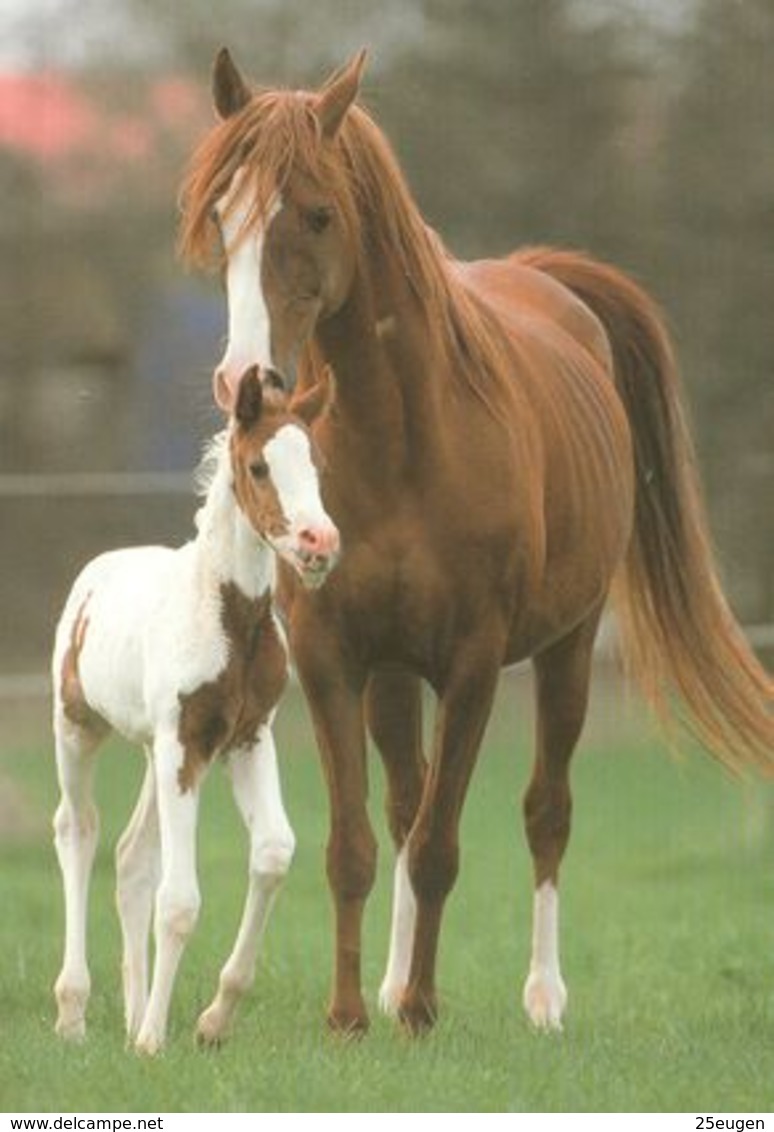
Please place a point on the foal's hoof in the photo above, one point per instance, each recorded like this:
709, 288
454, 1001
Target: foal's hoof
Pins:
207, 1036
148, 1045
212, 1028
71, 1011
417, 1013
348, 1024
71, 1029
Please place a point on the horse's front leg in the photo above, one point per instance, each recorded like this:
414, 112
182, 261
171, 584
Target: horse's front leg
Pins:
177, 899
394, 713
433, 846
335, 695
256, 786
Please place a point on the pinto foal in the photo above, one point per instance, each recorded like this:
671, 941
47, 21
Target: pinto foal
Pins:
181, 650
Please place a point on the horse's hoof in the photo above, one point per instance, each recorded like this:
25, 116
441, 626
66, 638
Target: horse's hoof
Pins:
71, 1003
348, 1024
417, 1013
390, 995
148, 1045
210, 1031
545, 998
72, 1030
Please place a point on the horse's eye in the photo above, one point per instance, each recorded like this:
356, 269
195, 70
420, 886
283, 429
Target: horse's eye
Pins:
259, 470
318, 219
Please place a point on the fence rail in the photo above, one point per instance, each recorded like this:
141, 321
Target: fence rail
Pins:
84, 485
46, 485
34, 685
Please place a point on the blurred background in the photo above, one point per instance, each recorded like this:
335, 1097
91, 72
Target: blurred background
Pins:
640, 130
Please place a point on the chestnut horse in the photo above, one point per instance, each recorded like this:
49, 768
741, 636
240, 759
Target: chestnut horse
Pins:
507, 444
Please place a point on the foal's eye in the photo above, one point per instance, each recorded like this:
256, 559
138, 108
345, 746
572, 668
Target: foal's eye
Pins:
259, 470
318, 219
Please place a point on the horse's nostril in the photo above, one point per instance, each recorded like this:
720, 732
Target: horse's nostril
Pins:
222, 391
274, 379
310, 540
319, 541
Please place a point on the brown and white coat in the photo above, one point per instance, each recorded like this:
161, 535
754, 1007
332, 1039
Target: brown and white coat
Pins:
181, 650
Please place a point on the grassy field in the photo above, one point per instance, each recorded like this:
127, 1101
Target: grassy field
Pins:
668, 926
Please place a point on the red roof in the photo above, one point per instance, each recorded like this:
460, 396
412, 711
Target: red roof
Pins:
86, 143
45, 116
48, 117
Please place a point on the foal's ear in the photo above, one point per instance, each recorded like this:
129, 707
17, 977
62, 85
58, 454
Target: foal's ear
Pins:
338, 92
230, 92
249, 403
312, 403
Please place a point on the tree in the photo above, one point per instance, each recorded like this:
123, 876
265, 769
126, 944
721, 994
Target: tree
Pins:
509, 120
718, 208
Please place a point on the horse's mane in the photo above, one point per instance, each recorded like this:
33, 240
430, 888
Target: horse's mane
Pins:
277, 133
214, 456
212, 481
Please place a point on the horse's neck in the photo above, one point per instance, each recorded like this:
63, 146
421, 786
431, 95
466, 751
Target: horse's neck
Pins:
389, 382
227, 548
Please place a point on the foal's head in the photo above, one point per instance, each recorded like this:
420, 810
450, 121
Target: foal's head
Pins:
271, 188
275, 472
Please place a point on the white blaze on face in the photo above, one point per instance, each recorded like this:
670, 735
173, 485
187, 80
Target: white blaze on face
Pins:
249, 338
312, 541
295, 478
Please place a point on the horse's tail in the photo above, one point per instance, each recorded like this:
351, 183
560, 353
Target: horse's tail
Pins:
678, 634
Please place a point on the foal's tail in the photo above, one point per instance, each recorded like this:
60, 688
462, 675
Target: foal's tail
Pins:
679, 636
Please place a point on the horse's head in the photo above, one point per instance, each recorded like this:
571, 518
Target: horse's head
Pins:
275, 471
270, 182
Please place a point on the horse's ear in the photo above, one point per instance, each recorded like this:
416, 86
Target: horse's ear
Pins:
312, 403
230, 92
338, 92
249, 402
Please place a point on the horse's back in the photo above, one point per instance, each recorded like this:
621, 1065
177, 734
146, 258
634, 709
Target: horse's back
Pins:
108, 618
514, 290
119, 587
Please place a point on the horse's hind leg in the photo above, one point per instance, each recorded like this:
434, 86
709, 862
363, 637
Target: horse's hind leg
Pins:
562, 675
256, 786
394, 714
76, 830
138, 869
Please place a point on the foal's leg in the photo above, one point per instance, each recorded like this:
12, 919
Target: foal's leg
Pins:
76, 830
256, 786
433, 850
177, 899
138, 861
394, 711
335, 700
562, 675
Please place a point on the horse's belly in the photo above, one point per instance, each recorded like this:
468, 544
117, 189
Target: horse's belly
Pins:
539, 628
574, 586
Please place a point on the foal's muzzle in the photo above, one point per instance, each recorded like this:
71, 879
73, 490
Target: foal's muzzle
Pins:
312, 551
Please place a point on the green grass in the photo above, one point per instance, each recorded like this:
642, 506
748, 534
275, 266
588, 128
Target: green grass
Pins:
668, 933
